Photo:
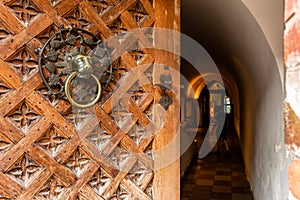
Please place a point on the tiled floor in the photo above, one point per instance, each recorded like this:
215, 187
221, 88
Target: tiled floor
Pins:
217, 177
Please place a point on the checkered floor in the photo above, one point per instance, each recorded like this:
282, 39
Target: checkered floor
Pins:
217, 177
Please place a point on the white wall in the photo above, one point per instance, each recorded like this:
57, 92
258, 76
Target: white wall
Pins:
269, 15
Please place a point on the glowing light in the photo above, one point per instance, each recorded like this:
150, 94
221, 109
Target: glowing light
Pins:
192, 87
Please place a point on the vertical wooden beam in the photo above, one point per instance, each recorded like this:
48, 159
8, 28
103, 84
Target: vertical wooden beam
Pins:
166, 183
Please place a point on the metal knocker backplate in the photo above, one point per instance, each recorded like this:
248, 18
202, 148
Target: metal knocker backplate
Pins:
72, 62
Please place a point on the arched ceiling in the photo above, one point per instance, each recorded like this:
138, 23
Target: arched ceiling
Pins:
269, 14
237, 33
245, 37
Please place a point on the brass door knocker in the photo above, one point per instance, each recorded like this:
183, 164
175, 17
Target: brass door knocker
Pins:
72, 62
84, 70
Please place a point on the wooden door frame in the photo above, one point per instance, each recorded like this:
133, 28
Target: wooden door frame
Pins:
167, 179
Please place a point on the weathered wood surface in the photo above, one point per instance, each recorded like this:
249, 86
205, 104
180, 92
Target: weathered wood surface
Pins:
51, 150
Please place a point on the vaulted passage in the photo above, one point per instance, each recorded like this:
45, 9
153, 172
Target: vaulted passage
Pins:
243, 50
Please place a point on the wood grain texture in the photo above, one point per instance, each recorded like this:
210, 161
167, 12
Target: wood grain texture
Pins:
18, 150
18, 95
95, 19
61, 173
100, 158
87, 193
57, 151
36, 185
135, 190
51, 113
10, 75
37, 25
9, 187
118, 179
87, 175
116, 11
166, 178
66, 6
11, 23
10, 131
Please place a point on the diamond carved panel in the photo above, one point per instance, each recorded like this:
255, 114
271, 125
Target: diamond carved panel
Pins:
99, 138
53, 189
24, 116
137, 133
100, 181
118, 27
121, 194
139, 173
138, 12
119, 157
101, 6
78, 162
77, 19
24, 63
77, 115
53, 141
25, 10
137, 93
25, 170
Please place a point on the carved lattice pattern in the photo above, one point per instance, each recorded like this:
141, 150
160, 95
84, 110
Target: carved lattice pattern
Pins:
53, 189
118, 28
100, 138
137, 93
101, 6
48, 149
53, 99
138, 12
76, 116
5, 144
139, 174
137, 134
77, 19
24, 9
47, 33
3, 32
119, 157
77, 162
53, 141
121, 194
24, 116
24, 63
4, 89
100, 181
24, 170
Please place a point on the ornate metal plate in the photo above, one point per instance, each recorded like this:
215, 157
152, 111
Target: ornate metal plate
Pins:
72, 62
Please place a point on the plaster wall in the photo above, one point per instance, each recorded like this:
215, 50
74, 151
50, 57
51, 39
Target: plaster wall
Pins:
269, 16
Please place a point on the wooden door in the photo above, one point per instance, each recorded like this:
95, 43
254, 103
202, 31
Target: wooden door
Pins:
51, 150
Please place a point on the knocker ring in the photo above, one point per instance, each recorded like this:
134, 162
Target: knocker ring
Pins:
68, 93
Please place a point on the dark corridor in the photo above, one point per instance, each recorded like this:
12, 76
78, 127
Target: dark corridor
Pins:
217, 177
